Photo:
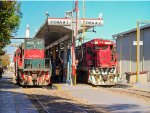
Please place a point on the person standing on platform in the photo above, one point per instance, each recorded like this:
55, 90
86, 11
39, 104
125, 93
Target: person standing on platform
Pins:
57, 74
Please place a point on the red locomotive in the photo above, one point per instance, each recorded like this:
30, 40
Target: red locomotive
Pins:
99, 65
31, 66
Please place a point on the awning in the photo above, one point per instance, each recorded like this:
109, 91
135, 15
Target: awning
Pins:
50, 31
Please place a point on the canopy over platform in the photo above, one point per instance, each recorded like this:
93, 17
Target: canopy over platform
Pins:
51, 33
55, 29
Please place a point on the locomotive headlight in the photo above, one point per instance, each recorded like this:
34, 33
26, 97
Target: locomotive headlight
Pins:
92, 70
96, 70
111, 70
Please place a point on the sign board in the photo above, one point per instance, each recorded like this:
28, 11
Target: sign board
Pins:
59, 21
92, 22
67, 22
135, 42
68, 14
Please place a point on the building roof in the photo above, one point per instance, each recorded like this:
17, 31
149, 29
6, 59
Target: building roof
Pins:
53, 33
129, 31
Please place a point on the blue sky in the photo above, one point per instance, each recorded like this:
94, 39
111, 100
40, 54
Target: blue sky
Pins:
118, 16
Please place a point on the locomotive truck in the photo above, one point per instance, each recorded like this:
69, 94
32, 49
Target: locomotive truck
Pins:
99, 64
31, 66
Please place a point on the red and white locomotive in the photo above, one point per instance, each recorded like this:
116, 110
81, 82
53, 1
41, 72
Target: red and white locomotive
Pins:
31, 66
99, 64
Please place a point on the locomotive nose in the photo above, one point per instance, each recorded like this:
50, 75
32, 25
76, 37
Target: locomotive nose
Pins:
104, 58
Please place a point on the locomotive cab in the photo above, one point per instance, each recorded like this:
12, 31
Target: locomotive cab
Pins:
31, 66
101, 62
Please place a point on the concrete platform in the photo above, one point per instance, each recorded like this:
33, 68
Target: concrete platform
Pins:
110, 101
63, 86
143, 87
12, 98
139, 86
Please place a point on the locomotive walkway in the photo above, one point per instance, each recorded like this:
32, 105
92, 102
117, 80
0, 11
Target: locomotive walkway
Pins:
12, 98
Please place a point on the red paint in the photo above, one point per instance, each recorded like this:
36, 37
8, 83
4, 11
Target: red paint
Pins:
33, 54
99, 57
22, 76
29, 79
18, 58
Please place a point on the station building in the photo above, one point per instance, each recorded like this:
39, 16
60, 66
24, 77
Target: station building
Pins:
127, 51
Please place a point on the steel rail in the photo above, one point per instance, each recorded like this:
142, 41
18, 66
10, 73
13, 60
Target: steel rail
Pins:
38, 101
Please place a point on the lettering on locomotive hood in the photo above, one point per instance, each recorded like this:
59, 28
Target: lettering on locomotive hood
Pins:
31, 42
108, 42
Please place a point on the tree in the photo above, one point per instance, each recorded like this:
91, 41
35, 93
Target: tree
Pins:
5, 60
10, 17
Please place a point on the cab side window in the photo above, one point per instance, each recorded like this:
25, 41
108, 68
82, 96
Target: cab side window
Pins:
89, 50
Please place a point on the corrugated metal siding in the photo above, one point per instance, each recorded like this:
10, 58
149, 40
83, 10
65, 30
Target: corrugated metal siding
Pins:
127, 52
147, 50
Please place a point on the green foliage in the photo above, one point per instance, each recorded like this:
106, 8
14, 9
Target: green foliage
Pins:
2, 52
5, 60
10, 16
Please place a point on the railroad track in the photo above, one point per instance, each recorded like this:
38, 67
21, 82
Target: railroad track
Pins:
46, 104
77, 107
37, 103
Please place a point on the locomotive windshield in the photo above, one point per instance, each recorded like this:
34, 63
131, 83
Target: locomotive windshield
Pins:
34, 44
89, 50
96, 47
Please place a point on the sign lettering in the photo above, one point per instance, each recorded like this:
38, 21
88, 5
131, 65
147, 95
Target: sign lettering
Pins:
62, 22
67, 22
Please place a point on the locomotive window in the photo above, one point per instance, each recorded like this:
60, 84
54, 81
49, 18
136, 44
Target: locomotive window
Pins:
100, 47
29, 44
89, 50
104, 47
96, 47
39, 44
113, 49
34, 44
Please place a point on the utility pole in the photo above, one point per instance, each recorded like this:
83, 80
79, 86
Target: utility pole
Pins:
138, 48
73, 44
137, 52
